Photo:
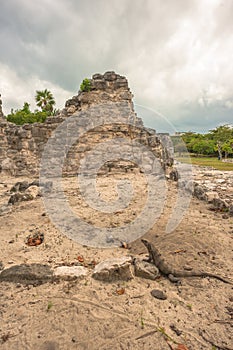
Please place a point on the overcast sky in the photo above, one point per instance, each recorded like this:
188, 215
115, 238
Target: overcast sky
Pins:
176, 54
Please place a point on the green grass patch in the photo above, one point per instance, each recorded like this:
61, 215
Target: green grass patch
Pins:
206, 161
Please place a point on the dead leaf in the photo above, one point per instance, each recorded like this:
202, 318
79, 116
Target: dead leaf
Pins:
80, 258
35, 239
120, 291
124, 245
179, 251
119, 212
181, 347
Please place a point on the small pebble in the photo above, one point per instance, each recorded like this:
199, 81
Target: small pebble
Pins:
158, 294
175, 329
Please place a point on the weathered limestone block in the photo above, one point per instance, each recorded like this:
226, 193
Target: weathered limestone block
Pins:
145, 269
210, 196
97, 76
71, 109
99, 85
199, 192
110, 76
114, 270
33, 191
70, 272
7, 166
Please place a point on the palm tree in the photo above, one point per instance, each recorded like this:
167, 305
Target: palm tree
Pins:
45, 100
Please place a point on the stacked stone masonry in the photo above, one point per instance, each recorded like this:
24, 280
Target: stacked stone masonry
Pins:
214, 187
21, 147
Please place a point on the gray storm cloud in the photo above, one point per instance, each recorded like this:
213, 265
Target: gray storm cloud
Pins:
175, 53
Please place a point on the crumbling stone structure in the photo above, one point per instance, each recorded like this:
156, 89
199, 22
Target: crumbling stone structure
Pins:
21, 147
1, 112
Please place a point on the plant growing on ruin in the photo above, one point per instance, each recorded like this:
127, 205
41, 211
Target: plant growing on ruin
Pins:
26, 116
85, 85
45, 100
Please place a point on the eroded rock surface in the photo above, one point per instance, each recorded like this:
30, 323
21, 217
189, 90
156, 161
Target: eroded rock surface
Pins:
70, 272
145, 269
114, 269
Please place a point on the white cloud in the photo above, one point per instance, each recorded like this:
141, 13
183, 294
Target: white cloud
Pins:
16, 91
176, 54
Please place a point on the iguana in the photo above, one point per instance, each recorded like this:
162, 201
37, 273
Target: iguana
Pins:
172, 274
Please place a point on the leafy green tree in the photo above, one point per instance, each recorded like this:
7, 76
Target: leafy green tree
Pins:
190, 139
25, 116
85, 85
227, 147
221, 136
45, 100
206, 147
218, 140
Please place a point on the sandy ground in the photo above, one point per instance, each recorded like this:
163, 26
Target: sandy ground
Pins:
89, 314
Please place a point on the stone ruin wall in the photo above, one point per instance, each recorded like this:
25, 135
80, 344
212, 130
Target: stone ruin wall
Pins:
21, 147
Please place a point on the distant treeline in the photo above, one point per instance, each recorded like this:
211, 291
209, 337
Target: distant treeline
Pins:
217, 142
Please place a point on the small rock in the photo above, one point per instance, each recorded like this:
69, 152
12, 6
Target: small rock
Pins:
220, 203
70, 272
231, 210
174, 175
225, 216
199, 192
211, 195
175, 329
5, 209
174, 279
158, 294
114, 269
145, 269
33, 191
